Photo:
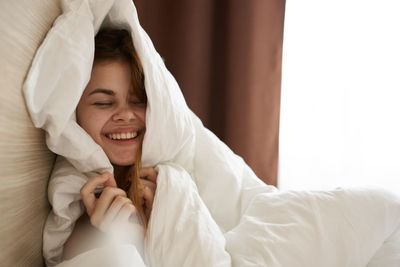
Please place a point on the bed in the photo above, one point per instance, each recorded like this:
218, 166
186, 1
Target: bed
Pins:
26, 164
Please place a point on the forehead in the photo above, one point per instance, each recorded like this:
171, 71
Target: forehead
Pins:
111, 72
106, 91
112, 76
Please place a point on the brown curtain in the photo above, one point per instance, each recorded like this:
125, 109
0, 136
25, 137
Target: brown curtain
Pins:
226, 56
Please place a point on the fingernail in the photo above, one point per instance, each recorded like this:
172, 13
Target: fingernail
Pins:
106, 174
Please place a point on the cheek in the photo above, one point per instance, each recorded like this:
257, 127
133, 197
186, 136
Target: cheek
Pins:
142, 115
92, 122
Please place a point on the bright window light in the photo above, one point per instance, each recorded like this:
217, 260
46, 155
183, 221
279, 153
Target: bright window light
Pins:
340, 109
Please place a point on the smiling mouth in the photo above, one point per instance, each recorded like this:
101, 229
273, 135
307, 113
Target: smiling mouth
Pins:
123, 136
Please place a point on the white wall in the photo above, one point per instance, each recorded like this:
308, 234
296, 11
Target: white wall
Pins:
340, 110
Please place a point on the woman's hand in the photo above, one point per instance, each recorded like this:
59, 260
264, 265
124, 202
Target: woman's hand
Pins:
111, 213
147, 188
112, 210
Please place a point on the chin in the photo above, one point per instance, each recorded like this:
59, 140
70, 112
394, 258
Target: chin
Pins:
122, 161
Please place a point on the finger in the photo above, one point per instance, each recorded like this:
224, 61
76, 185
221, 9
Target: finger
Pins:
124, 214
113, 211
87, 190
110, 182
148, 173
143, 183
104, 202
148, 200
142, 187
141, 197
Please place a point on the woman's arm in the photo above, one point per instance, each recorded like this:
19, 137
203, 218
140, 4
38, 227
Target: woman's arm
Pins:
84, 237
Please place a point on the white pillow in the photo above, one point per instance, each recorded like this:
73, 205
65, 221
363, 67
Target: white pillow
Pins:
25, 161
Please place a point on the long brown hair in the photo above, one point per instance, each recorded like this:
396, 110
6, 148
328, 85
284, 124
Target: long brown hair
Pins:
116, 45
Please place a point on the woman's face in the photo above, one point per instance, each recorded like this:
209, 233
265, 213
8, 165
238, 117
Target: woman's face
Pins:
110, 112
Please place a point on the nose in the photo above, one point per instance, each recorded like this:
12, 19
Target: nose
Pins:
125, 113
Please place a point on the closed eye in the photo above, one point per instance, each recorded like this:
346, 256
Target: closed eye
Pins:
102, 103
138, 103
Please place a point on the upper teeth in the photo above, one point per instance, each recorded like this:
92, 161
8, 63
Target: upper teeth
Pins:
122, 135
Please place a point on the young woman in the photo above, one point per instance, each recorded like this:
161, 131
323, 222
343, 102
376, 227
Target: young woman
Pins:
112, 110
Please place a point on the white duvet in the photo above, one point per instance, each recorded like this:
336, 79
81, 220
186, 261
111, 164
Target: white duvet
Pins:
210, 209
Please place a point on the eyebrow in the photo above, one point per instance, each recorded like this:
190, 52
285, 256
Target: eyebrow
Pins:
102, 91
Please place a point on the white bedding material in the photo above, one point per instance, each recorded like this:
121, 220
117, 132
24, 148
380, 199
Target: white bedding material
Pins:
210, 209
388, 254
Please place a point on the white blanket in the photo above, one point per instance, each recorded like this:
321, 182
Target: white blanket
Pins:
210, 209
